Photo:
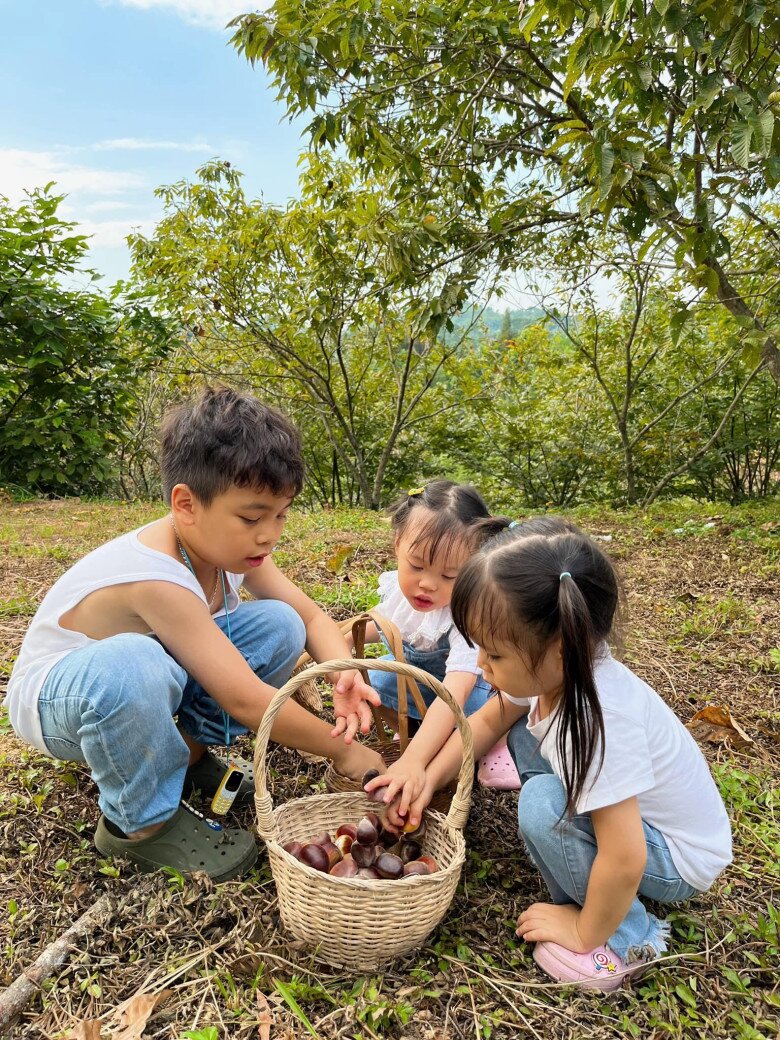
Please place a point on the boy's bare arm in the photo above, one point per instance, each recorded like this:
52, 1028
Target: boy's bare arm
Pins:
186, 629
352, 697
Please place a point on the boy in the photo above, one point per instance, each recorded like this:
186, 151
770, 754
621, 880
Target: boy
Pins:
149, 626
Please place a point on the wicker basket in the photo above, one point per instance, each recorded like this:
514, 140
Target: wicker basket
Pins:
354, 922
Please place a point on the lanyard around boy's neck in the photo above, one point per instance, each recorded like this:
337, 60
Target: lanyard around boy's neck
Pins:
188, 561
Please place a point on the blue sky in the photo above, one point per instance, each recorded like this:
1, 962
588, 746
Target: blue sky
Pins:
111, 98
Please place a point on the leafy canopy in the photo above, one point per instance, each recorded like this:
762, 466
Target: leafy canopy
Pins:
510, 118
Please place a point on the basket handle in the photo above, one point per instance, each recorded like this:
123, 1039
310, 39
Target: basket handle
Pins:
406, 685
461, 801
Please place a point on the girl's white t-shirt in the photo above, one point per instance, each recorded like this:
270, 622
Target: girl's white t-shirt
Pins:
118, 562
648, 753
423, 629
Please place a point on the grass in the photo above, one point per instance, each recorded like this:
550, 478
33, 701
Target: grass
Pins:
702, 627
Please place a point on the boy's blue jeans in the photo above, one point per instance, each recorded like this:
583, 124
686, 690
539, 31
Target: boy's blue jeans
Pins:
564, 852
435, 663
111, 704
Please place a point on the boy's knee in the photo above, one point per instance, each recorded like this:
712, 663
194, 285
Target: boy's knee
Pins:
134, 669
282, 625
540, 805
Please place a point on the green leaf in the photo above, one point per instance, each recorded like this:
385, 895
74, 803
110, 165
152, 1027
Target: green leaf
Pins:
741, 136
284, 990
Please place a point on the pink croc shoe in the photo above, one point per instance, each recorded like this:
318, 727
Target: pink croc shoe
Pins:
497, 769
599, 969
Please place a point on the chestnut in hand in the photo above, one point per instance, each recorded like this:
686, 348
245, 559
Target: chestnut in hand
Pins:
389, 866
372, 774
363, 855
315, 856
346, 868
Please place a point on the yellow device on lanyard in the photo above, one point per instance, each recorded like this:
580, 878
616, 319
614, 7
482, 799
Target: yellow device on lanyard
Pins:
228, 789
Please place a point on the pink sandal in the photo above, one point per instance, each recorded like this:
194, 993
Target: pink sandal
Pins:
497, 769
599, 969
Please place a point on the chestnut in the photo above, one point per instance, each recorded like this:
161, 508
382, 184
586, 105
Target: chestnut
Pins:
347, 867
416, 867
389, 866
294, 848
315, 856
431, 863
368, 872
416, 832
348, 829
363, 855
372, 774
320, 839
372, 816
343, 843
368, 831
387, 839
409, 850
333, 852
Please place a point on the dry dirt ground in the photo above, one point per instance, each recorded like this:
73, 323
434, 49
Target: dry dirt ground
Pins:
702, 625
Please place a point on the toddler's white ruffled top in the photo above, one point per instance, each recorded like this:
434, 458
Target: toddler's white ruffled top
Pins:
423, 629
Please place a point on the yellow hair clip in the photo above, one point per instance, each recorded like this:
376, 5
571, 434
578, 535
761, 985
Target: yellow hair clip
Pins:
414, 492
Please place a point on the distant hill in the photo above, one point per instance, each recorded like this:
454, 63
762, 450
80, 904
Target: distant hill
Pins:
490, 322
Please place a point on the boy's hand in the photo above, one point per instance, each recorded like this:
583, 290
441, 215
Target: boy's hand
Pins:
351, 699
356, 760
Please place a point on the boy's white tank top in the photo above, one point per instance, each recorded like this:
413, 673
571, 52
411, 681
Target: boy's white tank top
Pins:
118, 562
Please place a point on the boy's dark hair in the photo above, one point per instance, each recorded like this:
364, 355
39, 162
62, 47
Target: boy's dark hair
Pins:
451, 513
541, 581
223, 437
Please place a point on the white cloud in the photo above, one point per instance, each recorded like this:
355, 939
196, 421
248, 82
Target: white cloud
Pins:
139, 144
20, 170
211, 14
113, 233
107, 206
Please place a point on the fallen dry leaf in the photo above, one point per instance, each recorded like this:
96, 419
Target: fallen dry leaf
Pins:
87, 1029
264, 1017
716, 725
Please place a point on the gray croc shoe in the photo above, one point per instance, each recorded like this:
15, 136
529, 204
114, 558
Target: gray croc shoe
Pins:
206, 775
187, 842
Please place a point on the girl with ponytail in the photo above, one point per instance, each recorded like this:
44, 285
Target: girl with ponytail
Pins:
616, 801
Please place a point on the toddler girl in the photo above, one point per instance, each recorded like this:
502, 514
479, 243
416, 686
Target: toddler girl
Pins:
617, 801
436, 528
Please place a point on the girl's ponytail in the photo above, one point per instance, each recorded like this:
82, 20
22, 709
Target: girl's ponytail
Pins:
581, 727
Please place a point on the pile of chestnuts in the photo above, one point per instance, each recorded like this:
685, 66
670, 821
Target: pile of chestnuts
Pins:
365, 850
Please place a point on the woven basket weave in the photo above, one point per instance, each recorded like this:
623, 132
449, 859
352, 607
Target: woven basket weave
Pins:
354, 922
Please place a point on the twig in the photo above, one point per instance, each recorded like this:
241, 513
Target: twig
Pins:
21, 991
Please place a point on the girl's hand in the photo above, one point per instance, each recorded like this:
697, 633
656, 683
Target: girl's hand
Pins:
551, 922
403, 782
392, 816
352, 697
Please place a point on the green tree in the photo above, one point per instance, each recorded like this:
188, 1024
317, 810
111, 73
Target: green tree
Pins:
293, 303
71, 358
495, 123
505, 333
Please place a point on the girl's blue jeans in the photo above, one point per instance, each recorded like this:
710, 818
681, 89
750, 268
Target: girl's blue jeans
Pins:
112, 704
435, 663
564, 851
